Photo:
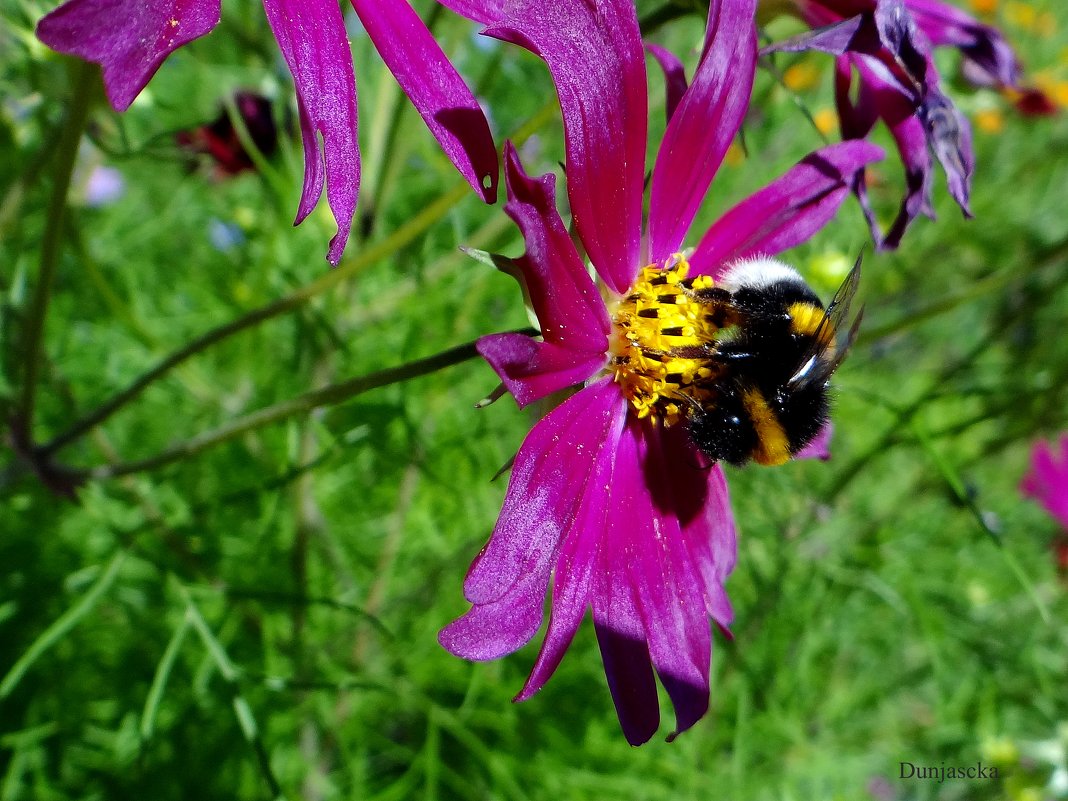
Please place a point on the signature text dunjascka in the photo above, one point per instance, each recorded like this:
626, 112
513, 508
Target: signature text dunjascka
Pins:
910, 770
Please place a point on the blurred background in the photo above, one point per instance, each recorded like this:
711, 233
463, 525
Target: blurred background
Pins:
254, 613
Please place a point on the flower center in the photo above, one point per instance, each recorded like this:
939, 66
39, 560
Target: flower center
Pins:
665, 334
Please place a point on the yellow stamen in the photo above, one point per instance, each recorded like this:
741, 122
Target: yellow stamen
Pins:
664, 336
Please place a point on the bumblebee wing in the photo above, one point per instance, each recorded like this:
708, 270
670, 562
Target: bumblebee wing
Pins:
838, 308
845, 343
815, 364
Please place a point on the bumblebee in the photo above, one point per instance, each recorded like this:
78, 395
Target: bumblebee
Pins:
765, 396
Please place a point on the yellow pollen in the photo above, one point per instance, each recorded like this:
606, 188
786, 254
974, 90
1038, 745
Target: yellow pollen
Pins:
665, 333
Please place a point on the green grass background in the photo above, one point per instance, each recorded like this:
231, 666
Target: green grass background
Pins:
261, 618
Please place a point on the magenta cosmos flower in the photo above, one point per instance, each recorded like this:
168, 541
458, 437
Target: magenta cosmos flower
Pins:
1047, 481
898, 83
130, 39
607, 494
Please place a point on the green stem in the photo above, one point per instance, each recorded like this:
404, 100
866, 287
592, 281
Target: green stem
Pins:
397, 240
65, 154
780, 79
956, 484
228, 670
384, 128
326, 396
62, 625
15, 196
271, 177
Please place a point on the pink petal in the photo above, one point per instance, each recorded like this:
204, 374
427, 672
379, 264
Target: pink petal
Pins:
786, 212
1036, 483
1047, 481
573, 578
484, 11
667, 548
620, 628
991, 59
831, 35
674, 77
704, 124
578, 560
531, 370
899, 113
574, 321
626, 663
552, 473
594, 53
819, 447
949, 135
548, 479
900, 83
311, 36
669, 589
702, 503
130, 39
638, 529
856, 119
493, 629
565, 299
435, 88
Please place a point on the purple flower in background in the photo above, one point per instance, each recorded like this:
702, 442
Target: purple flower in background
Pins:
607, 494
989, 59
219, 139
130, 39
104, 186
1047, 483
898, 83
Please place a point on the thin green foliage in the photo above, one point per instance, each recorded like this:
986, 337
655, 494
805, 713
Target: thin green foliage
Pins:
163, 673
62, 626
